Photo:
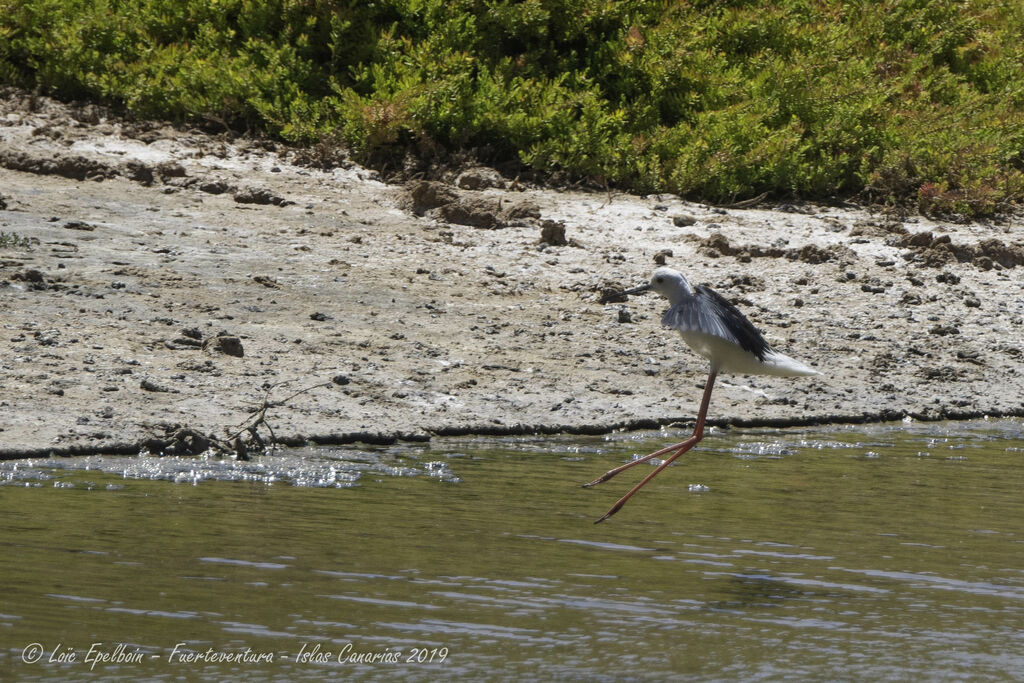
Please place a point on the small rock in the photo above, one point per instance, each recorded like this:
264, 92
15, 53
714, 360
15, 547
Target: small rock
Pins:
479, 179
625, 316
948, 278
683, 220
30, 275
938, 256
945, 373
259, 195
917, 239
553, 233
993, 253
662, 255
139, 172
341, 380
266, 281
482, 212
226, 344
611, 294
319, 317
428, 194
149, 385
215, 187
812, 253
187, 342
170, 169
521, 211
970, 357
716, 244
943, 330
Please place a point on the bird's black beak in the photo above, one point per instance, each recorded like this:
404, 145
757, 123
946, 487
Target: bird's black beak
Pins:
638, 290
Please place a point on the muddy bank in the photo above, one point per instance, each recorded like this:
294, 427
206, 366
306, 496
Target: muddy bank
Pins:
152, 277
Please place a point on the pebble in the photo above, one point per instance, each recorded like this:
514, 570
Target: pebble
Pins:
226, 344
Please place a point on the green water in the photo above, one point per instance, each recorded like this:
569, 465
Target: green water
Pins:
869, 553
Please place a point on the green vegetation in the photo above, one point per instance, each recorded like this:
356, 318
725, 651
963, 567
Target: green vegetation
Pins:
12, 240
916, 102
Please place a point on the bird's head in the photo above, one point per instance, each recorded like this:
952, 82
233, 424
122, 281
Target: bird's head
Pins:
670, 283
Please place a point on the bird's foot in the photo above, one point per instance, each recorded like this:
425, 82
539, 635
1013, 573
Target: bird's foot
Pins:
615, 508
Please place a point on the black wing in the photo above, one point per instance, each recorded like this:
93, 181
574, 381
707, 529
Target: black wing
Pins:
708, 312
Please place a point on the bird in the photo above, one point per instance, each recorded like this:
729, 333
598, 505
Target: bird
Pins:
718, 331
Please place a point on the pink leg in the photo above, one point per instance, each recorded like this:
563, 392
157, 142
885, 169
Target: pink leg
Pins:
679, 448
622, 468
668, 449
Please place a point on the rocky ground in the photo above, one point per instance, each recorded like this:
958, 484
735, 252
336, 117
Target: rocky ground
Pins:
158, 281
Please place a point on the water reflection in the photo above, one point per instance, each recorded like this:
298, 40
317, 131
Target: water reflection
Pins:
841, 553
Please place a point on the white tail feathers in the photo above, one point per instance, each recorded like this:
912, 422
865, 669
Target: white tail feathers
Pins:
780, 364
729, 357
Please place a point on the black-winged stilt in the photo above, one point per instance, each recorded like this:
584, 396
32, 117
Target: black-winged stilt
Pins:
716, 330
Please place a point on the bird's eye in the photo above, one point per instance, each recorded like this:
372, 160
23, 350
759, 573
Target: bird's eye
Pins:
659, 280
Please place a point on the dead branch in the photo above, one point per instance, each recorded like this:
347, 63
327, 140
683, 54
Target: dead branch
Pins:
241, 443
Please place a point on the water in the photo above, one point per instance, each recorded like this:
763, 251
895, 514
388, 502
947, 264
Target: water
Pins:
868, 553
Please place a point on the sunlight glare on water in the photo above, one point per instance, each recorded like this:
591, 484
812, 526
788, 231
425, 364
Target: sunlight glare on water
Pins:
855, 553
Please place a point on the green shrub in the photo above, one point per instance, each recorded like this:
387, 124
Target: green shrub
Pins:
916, 102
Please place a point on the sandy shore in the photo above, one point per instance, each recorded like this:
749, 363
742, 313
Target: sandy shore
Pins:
153, 277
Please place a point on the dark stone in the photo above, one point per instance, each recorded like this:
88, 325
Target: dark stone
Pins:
215, 187
259, 195
139, 172
226, 344
553, 233
478, 213
428, 194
